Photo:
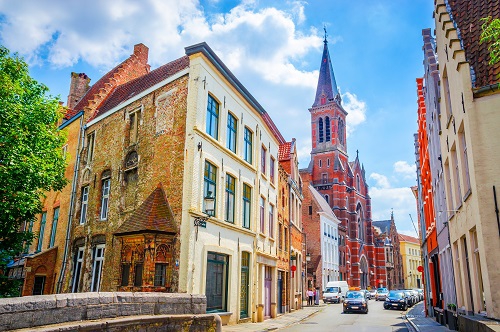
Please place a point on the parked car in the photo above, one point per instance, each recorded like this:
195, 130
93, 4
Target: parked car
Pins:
366, 293
420, 293
381, 294
355, 301
396, 299
410, 297
335, 291
373, 293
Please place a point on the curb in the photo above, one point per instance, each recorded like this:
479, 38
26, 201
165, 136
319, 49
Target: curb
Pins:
413, 325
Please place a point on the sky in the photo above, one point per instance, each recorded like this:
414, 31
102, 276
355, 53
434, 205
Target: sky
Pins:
274, 48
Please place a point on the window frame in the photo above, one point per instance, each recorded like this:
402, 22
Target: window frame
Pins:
272, 165
218, 265
248, 150
212, 121
230, 201
232, 132
263, 159
105, 195
210, 182
53, 231
97, 267
247, 205
262, 215
43, 221
77, 269
84, 204
271, 220
90, 146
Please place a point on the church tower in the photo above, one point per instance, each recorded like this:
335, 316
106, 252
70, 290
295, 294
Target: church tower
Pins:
342, 183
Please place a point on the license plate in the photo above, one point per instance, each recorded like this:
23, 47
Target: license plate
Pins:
395, 304
354, 307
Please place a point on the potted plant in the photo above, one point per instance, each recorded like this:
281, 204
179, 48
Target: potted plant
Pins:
452, 307
451, 316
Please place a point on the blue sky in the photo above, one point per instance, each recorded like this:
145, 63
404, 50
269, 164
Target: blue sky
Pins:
274, 48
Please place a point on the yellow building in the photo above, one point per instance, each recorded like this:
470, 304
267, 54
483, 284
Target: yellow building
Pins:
410, 252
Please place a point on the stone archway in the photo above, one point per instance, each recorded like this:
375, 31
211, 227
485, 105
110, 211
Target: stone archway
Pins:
363, 272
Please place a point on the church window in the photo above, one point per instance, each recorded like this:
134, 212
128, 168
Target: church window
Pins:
320, 126
341, 132
327, 127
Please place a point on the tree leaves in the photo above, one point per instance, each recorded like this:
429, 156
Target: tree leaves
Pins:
31, 160
491, 33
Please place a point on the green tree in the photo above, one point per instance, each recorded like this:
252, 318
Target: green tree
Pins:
491, 33
31, 160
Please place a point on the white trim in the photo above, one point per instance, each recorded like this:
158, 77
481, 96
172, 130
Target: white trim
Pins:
139, 96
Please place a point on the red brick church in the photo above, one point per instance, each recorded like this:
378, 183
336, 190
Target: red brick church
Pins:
343, 185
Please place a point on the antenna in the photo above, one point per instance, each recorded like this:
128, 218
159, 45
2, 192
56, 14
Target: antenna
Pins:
413, 224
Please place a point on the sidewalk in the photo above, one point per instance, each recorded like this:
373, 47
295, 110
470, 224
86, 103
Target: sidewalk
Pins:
279, 322
416, 317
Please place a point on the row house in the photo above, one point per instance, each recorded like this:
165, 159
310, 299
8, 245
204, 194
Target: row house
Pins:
411, 256
175, 186
467, 121
291, 193
386, 240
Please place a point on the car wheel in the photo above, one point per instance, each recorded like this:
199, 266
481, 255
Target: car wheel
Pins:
366, 311
405, 307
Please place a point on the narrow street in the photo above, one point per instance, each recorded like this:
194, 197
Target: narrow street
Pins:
331, 318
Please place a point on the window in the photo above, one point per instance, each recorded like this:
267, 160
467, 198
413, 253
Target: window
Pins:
90, 146
131, 162
125, 274
230, 189
358, 187
280, 236
245, 283
106, 182
39, 285
286, 238
271, 220
447, 96
458, 191
465, 161
263, 153
320, 163
42, 230
262, 221
139, 268
98, 254
327, 127
216, 282
160, 275
212, 117
449, 196
328, 162
134, 118
210, 184
341, 132
54, 228
77, 269
232, 124
247, 196
248, 145
320, 127
85, 200
327, 199
271, 169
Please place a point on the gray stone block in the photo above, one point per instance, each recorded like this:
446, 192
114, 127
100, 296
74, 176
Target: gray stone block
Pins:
107, 297
69, 314
129, 309
147, 308
124, 297
102, 311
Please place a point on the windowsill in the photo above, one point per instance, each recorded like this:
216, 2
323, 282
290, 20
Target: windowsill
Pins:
467, 194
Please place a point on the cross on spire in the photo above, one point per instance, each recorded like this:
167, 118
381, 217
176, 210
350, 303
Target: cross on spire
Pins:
326, 35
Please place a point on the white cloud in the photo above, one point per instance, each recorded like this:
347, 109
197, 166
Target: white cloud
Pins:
381, 180
356, 110
407, 170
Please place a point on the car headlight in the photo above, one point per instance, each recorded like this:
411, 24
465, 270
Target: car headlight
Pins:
401, 301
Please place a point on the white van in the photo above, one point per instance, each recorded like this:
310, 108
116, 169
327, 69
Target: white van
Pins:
335, 291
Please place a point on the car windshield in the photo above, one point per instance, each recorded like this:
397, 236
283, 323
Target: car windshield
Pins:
354, 295
398, 295
382, 290
331, 290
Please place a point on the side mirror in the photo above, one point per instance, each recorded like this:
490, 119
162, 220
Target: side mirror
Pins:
340, 291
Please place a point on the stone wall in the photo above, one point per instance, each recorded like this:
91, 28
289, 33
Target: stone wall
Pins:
32, 311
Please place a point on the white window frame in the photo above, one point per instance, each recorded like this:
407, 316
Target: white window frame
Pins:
97, 264
106, 186
77, 270
85, 201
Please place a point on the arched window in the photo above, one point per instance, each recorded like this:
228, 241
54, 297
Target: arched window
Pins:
341, 132
320, 126
327, 127
327, 199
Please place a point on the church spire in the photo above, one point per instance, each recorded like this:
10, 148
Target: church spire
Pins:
327, 86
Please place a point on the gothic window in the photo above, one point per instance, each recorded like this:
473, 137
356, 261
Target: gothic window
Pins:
327, 127
320, 126
341, 132
358, 188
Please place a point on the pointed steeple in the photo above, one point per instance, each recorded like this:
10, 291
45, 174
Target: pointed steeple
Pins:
326, 91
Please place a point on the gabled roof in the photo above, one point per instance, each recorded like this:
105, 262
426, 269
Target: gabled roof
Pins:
322, 204
284, 151
383, 225
154, 215
135, 87
407, 238
204, 49
466, 15
337, 164
327, 86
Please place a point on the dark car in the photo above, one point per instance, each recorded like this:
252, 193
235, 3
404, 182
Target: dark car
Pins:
396, 299
355, 301
410, 297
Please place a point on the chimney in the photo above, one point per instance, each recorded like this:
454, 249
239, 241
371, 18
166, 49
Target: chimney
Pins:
141, 52
78, 86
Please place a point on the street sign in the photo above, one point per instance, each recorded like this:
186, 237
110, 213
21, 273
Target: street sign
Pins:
420, 268
200, 222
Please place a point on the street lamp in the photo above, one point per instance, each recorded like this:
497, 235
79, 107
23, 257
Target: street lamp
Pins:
209, 204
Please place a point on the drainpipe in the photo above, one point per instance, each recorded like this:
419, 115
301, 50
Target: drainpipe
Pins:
71, 206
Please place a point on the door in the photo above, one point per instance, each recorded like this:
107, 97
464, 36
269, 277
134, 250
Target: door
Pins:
280, 292
267, 290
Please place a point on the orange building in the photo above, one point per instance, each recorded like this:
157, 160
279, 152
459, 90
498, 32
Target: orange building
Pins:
429, 239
